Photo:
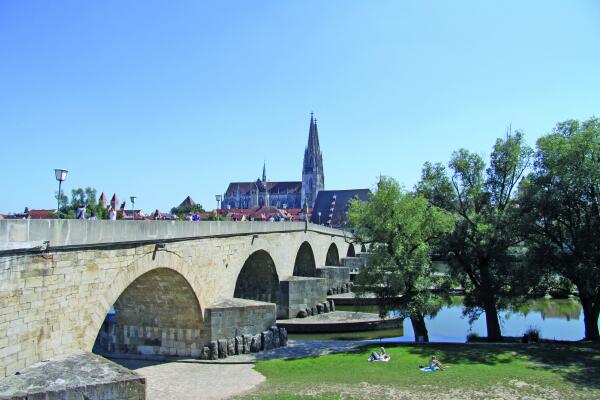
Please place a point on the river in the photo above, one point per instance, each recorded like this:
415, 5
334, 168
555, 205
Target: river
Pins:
555, 319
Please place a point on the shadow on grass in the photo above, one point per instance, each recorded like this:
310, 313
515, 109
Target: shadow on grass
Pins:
577, 362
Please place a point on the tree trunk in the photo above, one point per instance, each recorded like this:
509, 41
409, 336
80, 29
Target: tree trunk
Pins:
590, 318
491, 320
418, 323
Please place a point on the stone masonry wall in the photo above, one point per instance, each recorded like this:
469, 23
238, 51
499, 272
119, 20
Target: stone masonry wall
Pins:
299, 293
337, 278
54, 300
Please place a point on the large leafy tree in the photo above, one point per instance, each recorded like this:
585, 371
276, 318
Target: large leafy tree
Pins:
399, 227
81, 196
481, 248
559, 211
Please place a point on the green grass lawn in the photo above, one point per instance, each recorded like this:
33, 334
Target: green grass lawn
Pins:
474, 371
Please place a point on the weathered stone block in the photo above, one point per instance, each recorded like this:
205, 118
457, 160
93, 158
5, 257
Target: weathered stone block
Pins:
326, 307
332, 305
231, 347
247, 340
309, 311
205, 355
266, 340
302, 314
255, 344
320, 309
283, 337
214, 350
239, 345
313, 311
222, 348
275, 340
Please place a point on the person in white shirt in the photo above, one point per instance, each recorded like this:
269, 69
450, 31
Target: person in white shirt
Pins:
112, 214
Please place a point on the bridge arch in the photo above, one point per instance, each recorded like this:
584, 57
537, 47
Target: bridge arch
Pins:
258, 279
305, 265
351, 251
363, 249
333, 256
171, 272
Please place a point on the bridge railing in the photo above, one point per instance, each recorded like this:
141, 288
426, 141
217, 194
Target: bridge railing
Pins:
31, 235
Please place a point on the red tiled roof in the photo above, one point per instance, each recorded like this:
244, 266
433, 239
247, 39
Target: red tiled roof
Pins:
41, 214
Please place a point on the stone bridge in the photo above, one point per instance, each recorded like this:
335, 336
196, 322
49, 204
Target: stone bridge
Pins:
175, 286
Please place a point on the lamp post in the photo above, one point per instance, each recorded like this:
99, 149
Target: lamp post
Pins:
218, 197
61, 175
319, 214
132, 198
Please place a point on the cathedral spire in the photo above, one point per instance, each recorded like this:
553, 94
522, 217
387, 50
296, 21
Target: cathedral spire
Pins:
264, 175
313, 179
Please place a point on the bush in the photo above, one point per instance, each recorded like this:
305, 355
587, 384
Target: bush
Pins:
472, 336
531, 335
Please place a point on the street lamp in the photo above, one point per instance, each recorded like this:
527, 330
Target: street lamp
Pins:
218, 197
61, 175
319, 214
132, 198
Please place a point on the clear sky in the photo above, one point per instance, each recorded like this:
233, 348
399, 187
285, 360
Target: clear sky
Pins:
164, 99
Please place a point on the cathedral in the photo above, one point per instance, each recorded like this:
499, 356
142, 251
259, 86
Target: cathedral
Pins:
290, 194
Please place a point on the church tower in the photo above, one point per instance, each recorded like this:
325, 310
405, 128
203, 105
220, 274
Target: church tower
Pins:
313, 178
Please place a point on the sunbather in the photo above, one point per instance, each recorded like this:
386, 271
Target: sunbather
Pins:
434, 362
376, 357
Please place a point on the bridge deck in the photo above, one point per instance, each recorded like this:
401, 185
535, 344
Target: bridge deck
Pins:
23, 235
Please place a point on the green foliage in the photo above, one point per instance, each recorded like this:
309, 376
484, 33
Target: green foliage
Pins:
80, 196
85, 196
435, 186
481, 248
184, 210
399, 227
213, 216
560, 211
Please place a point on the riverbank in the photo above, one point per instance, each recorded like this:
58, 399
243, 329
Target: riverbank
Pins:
509, 371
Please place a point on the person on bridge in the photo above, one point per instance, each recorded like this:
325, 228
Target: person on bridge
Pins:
112, 214
80, 213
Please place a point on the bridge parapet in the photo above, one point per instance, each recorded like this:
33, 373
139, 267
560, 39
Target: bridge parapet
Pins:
20, 235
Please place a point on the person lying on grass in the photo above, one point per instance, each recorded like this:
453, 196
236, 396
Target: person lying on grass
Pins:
376, 357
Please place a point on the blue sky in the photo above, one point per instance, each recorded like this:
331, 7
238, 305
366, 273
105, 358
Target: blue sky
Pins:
166, 99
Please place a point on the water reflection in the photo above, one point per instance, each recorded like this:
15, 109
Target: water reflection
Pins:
556, 319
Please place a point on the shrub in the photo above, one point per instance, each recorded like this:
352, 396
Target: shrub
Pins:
472, 336
531, 335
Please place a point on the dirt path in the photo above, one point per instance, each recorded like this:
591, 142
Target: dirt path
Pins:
221, 379
192, 381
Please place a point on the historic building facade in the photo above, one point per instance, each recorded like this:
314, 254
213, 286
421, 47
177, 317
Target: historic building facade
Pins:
289, 194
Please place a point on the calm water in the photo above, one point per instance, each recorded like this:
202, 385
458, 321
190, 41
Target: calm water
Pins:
555, 319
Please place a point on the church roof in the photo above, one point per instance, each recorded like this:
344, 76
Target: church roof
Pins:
272, 187
333, 205
187, 202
